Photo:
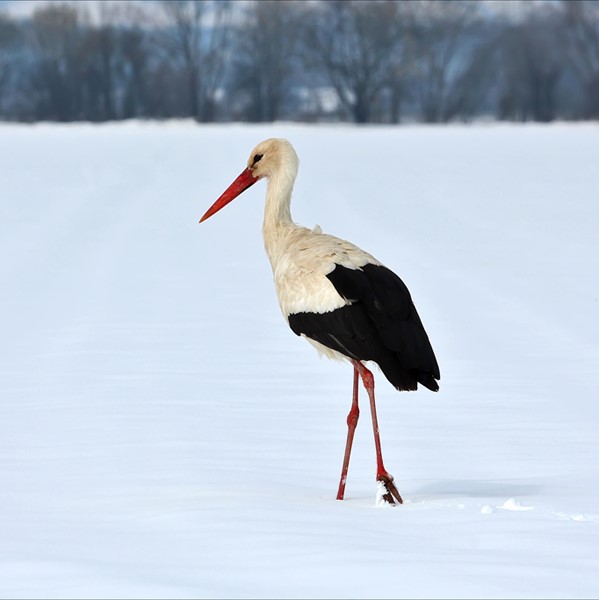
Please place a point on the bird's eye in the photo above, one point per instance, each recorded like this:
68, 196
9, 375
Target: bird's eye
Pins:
257, 158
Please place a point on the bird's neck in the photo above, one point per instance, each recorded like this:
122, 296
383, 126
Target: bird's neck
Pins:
277, 211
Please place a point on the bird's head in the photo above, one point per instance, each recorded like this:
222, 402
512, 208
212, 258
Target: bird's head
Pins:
272, 157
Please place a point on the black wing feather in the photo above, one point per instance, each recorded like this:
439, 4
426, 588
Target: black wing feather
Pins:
380, 324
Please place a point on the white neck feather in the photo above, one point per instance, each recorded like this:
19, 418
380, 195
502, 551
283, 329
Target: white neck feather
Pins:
277, 211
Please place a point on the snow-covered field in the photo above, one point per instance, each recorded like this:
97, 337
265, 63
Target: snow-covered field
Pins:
163, 434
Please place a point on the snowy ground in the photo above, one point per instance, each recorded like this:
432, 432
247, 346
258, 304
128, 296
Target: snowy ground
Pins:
163, 434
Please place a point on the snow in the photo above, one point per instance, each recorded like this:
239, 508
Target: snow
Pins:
513, 504
163, 433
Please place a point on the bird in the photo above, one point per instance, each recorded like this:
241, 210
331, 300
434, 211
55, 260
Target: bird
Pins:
341, 299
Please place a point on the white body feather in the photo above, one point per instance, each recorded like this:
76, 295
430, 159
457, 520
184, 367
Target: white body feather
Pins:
301, 261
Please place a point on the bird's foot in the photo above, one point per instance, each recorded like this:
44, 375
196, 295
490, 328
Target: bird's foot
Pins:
387, 492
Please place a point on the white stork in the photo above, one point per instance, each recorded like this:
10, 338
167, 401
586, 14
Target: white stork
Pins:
338, 297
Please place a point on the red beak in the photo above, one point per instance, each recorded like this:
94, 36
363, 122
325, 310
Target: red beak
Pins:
242, 183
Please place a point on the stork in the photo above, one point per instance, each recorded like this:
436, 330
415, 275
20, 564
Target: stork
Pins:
339, 298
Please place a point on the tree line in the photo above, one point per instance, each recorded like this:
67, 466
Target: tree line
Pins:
375, 61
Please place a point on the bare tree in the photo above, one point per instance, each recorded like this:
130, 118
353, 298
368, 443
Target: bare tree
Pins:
104, 54
57, 36
529, 66
9, 39
98, 54
121, 54
198, 35
357, 45
443, 46
264, 68
89, 70
581, 33
135, 60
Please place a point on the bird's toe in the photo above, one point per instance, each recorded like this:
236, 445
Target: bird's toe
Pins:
386, 491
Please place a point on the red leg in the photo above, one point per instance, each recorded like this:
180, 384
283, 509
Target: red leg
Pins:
381, 472
352, 422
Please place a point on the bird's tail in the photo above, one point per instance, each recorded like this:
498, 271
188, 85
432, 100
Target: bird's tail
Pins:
406, 380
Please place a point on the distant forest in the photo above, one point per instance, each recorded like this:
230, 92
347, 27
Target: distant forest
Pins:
378, 61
